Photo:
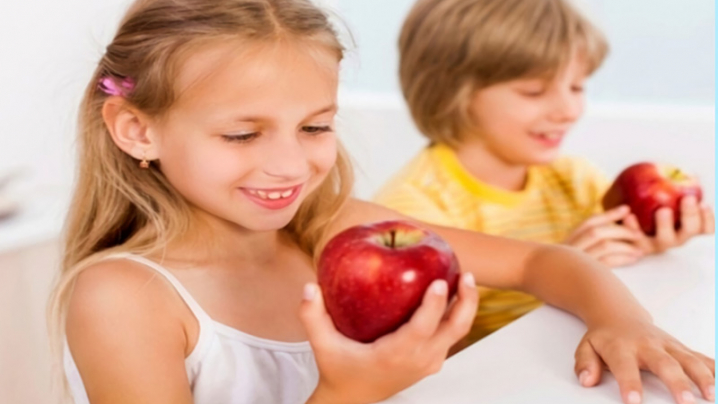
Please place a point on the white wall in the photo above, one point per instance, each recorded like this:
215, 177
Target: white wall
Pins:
663, 51
47, 52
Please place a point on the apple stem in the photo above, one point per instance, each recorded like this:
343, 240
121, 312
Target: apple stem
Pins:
393, 238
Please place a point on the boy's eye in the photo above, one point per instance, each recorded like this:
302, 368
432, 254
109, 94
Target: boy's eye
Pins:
243, 138
316, 130
577, 89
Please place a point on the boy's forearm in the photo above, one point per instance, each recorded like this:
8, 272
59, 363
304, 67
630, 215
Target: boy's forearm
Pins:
573, 281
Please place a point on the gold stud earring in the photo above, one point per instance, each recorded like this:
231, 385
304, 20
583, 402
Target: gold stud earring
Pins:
144, 164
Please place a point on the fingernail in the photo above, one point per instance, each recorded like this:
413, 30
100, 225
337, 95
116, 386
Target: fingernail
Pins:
711, 393
310, 292
687, 398
634, 397
690, 200
583, 378
469, 280
439, 288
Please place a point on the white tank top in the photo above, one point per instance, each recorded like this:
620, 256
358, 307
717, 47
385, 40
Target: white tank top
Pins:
228, 366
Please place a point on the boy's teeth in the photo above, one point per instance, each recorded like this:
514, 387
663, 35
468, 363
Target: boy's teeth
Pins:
274, 195
287, 194
262, 194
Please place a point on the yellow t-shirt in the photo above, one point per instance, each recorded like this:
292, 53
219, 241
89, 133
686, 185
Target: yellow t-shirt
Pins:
434, 187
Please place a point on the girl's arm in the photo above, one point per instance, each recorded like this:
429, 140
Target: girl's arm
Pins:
557, 275
126, 335
620, 332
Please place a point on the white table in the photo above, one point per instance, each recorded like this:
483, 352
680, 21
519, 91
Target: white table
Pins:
531, 360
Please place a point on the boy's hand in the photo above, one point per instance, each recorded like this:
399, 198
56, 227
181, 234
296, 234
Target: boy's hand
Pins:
357, 373
610, 243
626, 347
696, 219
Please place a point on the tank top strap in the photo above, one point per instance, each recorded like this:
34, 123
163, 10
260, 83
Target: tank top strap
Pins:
201, 315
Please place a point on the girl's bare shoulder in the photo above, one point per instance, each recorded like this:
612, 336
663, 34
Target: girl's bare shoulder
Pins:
124, 328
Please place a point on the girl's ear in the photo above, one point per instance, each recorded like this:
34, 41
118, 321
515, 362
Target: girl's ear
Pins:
129, 129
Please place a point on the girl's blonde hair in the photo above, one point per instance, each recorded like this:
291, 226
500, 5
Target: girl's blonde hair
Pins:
449, 49
119, 207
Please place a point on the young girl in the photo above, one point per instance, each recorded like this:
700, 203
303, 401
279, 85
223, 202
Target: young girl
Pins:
495, 85
210, 176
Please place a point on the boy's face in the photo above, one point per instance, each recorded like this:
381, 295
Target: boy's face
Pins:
524, 121
252, 133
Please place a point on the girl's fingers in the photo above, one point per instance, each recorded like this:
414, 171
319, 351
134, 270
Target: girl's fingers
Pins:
709, 221
710, 362
624, 367
589, 366
670, 371
697, 370
461, 316
691, 218
313, 314
425, 321
665, 232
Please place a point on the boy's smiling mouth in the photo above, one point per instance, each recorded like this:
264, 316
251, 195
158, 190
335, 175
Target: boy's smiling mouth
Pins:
548, 138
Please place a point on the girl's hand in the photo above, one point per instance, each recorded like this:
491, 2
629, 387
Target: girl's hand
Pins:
610, 243
353, 372
626, 347
695, 220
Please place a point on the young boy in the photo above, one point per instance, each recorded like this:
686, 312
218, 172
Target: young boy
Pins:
495, 85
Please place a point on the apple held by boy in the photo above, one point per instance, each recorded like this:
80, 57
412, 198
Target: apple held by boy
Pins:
647, 187
374, 277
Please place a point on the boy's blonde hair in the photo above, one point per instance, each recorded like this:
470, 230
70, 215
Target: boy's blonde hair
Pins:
449, 49
119, 207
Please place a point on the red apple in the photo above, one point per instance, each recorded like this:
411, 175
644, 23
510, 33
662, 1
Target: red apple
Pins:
374, 277
646, 187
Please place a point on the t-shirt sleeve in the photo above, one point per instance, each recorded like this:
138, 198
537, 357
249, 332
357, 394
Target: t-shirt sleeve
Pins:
589, 185
411, 201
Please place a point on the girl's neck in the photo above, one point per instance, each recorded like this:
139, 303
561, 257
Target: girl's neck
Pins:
490, 168
212, 241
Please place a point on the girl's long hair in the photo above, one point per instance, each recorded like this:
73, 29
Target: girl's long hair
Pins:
119, 207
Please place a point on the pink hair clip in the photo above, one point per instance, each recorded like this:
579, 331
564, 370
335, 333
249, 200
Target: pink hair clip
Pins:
108, 86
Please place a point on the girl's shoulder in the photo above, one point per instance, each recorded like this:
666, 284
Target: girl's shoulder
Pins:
125, 327
121, 294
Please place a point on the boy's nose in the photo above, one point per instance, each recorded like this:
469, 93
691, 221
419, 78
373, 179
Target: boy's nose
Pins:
567, 107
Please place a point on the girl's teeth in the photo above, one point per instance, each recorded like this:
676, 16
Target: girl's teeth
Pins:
271, 195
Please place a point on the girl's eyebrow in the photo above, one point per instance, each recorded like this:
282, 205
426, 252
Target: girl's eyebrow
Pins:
255, 118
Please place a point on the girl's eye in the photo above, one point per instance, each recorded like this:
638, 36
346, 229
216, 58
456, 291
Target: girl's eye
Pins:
243, 138
316, 130
577, 89
532, 93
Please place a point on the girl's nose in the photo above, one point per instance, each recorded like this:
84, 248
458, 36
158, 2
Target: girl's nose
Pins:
286, 159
